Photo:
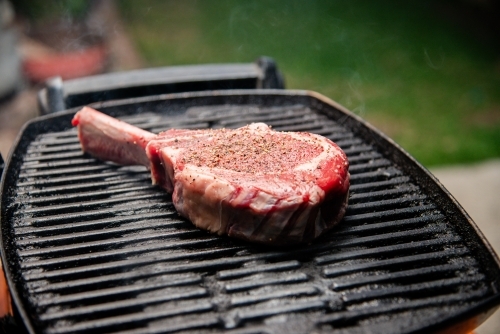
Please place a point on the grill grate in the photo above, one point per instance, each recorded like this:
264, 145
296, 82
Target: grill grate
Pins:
99, 249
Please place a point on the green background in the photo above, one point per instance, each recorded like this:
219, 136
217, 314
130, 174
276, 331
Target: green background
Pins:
415, 69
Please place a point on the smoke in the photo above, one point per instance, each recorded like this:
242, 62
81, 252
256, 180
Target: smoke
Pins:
437, 63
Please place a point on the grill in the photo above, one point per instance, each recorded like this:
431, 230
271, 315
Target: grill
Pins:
92, 247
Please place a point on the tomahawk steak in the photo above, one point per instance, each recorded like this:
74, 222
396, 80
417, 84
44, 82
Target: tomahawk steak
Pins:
251, 183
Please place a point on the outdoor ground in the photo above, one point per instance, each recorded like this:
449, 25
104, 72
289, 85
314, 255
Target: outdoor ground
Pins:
476, 188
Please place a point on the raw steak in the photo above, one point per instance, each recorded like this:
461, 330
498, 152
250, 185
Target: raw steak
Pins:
251, 183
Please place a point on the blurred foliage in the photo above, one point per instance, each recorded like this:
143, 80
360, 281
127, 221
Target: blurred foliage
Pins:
39, 10
402, 65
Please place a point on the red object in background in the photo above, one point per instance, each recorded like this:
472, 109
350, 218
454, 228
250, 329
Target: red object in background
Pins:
5, 303
68, 65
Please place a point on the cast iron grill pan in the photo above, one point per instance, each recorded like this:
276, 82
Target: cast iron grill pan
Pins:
92, 247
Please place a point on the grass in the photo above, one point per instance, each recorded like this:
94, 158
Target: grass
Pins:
399, 64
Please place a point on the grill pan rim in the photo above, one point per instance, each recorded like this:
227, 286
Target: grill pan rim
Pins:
18, 307
379, 139
478, 311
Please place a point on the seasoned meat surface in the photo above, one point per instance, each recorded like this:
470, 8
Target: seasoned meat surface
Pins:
251, 183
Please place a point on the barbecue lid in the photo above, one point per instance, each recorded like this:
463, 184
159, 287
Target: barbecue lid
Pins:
92, 247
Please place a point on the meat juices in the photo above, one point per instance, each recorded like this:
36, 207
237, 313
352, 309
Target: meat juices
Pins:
251, 183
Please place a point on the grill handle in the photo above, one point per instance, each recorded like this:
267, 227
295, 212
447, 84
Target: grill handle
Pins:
55, 95
59, 95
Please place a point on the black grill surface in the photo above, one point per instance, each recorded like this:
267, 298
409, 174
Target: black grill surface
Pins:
92, 247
